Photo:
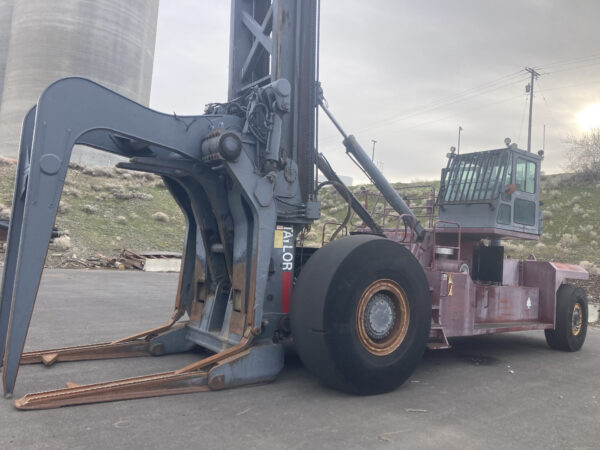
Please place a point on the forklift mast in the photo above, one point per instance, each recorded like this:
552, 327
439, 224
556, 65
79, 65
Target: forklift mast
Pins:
273, 40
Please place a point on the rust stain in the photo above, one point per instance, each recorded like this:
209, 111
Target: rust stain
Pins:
568, 267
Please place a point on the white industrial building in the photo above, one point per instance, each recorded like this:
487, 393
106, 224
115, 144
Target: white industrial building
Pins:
108, 41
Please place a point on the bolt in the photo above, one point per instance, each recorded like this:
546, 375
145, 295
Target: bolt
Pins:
217, 382
157, 349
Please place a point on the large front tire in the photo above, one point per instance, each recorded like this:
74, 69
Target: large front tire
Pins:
361, 314
571, 319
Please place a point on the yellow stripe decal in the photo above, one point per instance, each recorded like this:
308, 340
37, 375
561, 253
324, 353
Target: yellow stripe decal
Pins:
278, 239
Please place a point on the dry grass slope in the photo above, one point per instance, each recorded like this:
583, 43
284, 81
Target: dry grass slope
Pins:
106, 210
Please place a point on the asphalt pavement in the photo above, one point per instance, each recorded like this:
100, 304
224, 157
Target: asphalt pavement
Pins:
503, 391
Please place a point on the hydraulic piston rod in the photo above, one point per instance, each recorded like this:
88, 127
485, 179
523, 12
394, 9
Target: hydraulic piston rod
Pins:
371, 170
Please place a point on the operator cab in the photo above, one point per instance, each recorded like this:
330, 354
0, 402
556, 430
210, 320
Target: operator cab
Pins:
493, 193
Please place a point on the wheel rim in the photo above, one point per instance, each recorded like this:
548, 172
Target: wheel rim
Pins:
382, 317
577, 319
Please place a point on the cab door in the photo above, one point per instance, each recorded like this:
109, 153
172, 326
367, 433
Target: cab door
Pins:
526, 196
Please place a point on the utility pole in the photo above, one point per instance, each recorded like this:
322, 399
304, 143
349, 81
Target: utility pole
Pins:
458, 146
373, 154
529, 89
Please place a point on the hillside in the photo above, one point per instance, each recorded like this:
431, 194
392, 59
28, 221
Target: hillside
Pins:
107, 210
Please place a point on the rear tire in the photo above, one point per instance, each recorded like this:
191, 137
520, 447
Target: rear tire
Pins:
361, 314
571, 319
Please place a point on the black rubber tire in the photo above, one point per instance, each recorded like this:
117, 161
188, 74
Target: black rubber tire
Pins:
324, 308
562, 337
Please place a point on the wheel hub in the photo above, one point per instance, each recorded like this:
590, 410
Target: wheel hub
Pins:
577, 319
380, 316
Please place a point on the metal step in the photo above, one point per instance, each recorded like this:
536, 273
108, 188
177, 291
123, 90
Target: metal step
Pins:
440, 341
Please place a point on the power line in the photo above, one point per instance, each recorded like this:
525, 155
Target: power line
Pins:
485, 88
522, 121
541, 91
455, 114
573, 85
495, 84
477, 88
477, 108
570, 61
468, 94
573, 67
457, 99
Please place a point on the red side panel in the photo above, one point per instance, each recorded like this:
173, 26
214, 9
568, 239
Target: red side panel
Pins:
286, 291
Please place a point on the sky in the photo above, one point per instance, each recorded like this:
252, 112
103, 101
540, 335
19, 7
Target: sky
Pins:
408, 74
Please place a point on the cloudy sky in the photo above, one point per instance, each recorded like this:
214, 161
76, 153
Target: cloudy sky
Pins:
409, 73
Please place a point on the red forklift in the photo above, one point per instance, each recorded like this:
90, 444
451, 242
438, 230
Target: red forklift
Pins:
360, 311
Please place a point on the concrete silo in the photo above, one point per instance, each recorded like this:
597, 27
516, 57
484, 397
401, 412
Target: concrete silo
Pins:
108, 41
6, 8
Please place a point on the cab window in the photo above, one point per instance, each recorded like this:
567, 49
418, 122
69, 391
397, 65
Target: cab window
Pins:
525, 175
476, 177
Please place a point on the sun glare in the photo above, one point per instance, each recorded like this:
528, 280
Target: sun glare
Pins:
589, 118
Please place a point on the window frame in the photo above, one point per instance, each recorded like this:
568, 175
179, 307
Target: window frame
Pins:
528, 163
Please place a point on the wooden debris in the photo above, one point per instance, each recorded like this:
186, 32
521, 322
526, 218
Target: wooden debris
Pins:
127, 260
132, 260
138, 260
